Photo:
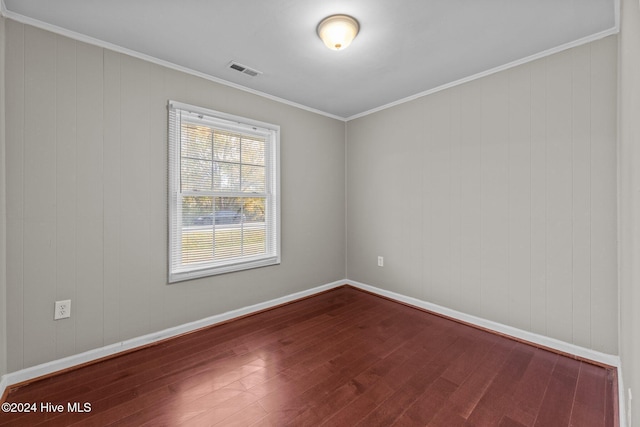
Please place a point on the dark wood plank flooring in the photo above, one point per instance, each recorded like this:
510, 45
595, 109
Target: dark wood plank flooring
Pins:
341, 358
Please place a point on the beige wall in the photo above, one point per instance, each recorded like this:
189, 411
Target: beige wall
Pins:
87, 206
629, 231
497, 198
3, 212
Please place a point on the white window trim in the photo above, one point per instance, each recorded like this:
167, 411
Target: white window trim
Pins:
229, 122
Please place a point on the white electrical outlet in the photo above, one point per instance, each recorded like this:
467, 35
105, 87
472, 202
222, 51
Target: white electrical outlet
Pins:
62, 310
380, 261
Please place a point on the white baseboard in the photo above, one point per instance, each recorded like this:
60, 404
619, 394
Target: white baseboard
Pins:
552, 343
3, 384
32, 372
564, 347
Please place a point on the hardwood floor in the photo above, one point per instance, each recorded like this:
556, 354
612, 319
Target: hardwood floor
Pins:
341, 358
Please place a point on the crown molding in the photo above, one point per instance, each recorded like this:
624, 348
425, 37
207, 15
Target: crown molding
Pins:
613, 30
106, 45
119, 49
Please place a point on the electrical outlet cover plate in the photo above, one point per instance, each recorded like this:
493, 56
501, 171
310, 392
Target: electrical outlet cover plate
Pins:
62, 310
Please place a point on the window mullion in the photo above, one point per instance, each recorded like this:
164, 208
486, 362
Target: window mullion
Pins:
205, 215
213, 158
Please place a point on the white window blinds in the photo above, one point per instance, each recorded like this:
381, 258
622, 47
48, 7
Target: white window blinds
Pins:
223, 193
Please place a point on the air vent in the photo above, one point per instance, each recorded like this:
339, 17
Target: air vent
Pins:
244, 69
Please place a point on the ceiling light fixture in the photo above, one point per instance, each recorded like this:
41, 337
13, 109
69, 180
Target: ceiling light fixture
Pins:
338, 31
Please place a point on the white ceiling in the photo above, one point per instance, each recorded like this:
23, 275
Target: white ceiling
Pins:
405, 47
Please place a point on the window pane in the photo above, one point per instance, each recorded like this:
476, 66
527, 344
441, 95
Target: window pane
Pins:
228, 242
229, 219
253, 151
226, 147
195, 175
197, 245
196, 142
253, 209
254, 239
212, 156
253, 179
197, 210
197, 232
226, 176
228, 210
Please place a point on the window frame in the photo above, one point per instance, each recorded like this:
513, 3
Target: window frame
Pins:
177, 271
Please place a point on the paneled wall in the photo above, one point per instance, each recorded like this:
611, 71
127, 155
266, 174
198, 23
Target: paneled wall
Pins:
87, 198
3, 210
629, 191
497, 198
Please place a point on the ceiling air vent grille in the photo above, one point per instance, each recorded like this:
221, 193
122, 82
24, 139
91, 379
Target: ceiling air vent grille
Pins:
244, 69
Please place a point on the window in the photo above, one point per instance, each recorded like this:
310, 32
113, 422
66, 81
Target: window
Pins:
223, 193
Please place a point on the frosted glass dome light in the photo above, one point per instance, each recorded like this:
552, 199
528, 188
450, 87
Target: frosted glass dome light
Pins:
338, 31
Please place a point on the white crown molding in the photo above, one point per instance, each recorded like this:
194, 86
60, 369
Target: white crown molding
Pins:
100, 43
543, 54
110, 46
33, 372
